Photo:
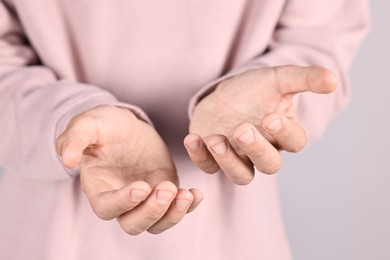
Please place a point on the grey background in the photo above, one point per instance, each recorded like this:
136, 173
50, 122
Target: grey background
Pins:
335, 194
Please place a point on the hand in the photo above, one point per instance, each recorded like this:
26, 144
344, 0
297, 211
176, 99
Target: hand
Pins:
126, 170
247, 119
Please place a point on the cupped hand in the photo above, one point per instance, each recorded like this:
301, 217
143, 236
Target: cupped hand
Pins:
249, 118
126, 170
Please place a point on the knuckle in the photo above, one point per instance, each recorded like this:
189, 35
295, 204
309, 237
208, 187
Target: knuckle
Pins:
173, 220
207, 164
154, 213
270, 166
230, 164
297, 148
102, 214
158, 229
299, 145
126, 202
244, 179
273, 167
204, 159
210, 168
155, 231
133, 231
168, 223
130, 226
257, 154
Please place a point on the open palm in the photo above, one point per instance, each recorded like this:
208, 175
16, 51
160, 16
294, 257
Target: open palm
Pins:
247, 119
126, 170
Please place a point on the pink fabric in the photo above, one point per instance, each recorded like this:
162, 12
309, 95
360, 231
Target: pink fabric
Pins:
61, 57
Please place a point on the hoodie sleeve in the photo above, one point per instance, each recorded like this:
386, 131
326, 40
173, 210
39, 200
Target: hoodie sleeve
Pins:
322, 33
35, 105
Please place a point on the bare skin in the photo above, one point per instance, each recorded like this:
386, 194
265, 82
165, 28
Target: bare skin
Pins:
249, 118
128, 173
126, 170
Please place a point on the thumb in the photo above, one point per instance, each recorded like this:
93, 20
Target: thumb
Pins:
296, 79
80, 133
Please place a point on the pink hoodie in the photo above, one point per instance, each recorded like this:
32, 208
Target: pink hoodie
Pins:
61, 57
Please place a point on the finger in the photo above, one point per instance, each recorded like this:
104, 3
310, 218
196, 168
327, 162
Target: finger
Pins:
80, 133
262, 153
109, 204
288, 134
150, 211
175, 213
238, 171
296, 79
198, 197
199, 154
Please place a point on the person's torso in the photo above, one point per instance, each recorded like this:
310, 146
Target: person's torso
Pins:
153, 54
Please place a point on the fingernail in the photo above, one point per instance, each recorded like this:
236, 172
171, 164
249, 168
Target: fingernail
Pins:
275, 125
247, 137
164, 196
137, 194
181, 204
220, 148
194, 145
